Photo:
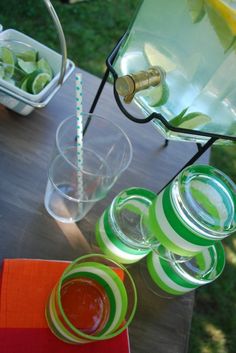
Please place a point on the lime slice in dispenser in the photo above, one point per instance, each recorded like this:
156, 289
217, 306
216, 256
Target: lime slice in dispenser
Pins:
223, 19
27, 66
196, 10
155, 57
28, 55
37, 81
158, 95
8, 58
192, 121
44, 66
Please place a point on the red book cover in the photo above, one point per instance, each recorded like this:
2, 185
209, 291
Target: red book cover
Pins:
25, 287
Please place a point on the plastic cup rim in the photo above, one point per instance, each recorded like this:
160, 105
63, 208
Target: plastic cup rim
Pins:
104, 119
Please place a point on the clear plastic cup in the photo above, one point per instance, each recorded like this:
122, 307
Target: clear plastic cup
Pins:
74, 187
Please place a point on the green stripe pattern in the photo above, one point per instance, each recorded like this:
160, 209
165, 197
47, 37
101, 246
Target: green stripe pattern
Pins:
134, 200
113, 247
194, 211
115, 291
170, 229
211, 196
179, 278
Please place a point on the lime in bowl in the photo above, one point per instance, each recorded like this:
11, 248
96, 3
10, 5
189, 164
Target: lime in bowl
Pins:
95, 299
18, 57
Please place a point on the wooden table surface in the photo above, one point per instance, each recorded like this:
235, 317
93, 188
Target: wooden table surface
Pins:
27, 231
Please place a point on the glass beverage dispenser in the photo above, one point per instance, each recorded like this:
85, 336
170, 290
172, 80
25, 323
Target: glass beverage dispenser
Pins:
178, 59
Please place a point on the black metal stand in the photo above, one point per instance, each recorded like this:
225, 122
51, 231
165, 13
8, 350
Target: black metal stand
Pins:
201, 148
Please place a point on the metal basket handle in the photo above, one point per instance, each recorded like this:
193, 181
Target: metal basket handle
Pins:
61, 37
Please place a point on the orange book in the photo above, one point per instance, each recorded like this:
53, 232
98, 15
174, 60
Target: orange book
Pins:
25, 287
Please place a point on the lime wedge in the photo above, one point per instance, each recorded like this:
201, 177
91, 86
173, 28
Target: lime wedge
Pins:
8, 58
37, 81
155, 57
27, 66
192, 121
28, 55
24, 84
158, 95
223, 20
196, 9
1, 71
44, 66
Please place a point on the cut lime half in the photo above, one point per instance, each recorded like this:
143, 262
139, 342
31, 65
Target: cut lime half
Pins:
196, 9
155, 57
28, 55
1, 70
44, 66
158, 95
27, 66
8, 58
193, 121
24, 85
223, 19
37, 81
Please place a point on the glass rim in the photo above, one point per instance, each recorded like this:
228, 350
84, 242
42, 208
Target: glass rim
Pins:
220, 253
171, 255
72, 327
141, 193
223, 179
91, 115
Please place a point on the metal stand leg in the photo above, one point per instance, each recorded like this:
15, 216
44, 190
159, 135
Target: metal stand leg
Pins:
96, 98
99, 91
166, 143
201, 150
199, 146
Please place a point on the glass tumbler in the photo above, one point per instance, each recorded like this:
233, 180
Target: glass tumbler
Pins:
95, 299
194, 211
119, 232
167, 277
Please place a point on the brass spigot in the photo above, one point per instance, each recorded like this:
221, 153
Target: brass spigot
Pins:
127, 86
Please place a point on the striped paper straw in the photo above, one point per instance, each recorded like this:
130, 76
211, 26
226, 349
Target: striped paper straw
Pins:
79, 133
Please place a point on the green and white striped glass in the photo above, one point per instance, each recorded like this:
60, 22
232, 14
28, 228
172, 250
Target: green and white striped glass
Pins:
171, 278
119, 231
194, 211
95, 299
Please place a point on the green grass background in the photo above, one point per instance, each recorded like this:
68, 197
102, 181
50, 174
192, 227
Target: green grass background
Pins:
92, 29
